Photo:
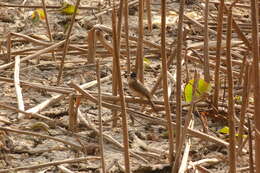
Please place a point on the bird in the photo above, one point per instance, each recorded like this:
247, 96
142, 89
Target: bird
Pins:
139, 90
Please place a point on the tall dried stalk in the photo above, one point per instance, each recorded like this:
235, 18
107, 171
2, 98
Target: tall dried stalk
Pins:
165, 80
126, 11
244, 104
255, 51
101, 143
119, 23
178, 76
118, 35
218, 52
231, 110
250, 146
149, 15
114, 78
188, 119
114, 90
121, 94
206, 45
114, 85
139, 64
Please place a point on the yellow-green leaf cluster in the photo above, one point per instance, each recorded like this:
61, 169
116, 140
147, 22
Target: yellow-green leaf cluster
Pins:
68, 8
225, 130
202, 88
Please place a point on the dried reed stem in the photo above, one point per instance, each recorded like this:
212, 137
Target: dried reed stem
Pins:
121, 94
73, 123
231, 111
206, 45
18, 89
165, 80
149, 15
139, 64
126, 11
179, 78
218, 52
250, 146
91, 45
255, 51
244, 104
188, 119
101, 143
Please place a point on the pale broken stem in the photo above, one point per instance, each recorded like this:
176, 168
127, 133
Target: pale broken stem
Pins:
58, 97
203, 161
18, 90
81, 159
186, 152
46, 103
64, 169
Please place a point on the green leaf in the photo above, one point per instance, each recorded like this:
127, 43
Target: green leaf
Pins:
225, 130
68, 8
203, 87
